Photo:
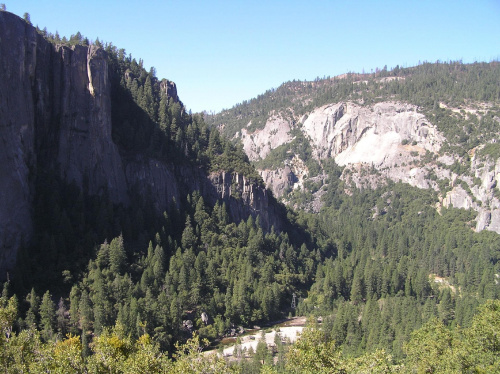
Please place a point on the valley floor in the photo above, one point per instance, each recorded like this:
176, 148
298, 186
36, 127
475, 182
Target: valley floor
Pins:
289, 331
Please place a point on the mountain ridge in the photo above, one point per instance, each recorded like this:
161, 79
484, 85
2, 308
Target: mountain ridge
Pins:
417, 125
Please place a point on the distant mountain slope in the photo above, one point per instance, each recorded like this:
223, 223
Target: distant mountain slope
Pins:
432, 126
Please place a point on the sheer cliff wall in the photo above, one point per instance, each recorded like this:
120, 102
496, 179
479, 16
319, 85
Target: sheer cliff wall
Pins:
55, 114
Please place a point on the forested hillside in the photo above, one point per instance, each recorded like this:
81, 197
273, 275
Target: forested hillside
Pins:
134, 278
396, 270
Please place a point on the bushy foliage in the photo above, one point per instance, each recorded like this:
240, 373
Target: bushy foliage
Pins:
434, 348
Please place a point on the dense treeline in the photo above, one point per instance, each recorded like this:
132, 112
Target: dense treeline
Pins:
399, 263
235, 274
385, 264
434, 348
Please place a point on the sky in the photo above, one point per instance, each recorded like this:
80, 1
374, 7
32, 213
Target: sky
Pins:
220, 53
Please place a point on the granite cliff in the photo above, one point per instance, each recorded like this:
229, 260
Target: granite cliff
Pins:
56, 114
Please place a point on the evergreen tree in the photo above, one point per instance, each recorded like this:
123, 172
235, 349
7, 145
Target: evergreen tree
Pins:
31, 314
117, 255
62, 319
47, 316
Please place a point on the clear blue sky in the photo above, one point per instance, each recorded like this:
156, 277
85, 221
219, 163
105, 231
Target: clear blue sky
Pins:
220, 53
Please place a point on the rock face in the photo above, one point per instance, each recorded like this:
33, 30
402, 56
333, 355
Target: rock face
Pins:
18, 51
85, 145
170, 89
458, 198
481, 194
488, 173
279, 180
258, 144
55, 114
353, 134
242, 198
388, 136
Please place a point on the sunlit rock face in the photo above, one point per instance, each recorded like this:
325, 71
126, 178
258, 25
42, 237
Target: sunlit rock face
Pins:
354, 134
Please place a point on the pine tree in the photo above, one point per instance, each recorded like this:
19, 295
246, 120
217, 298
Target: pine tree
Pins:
445, 306
32, 313
117, 255
47, 316
62, 319
27, 18
188, 237
86, 318
74, 316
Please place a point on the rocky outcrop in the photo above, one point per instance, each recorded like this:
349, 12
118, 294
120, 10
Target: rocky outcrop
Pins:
375, 135
258, 144
487, 171
458, 198
384, 134
243, 198
279, 180
55, 114
170, 89
166, 183
387, 140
